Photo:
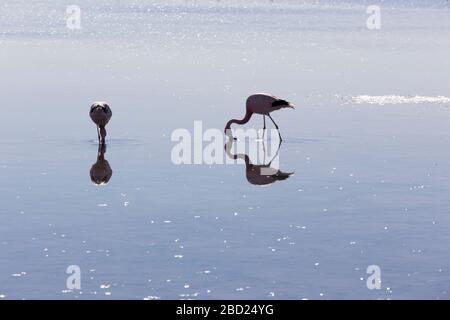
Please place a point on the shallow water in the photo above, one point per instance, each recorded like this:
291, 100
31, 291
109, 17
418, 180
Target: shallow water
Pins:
371, 180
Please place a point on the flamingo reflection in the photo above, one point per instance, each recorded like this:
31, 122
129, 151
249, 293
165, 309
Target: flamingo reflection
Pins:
258, 174
101, 171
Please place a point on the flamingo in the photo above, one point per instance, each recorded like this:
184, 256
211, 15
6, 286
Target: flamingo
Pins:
101, 171
261, 175
260, 103
101, 114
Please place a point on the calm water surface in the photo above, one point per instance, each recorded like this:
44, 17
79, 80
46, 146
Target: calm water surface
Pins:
371, 183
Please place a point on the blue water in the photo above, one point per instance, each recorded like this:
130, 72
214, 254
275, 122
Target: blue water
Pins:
370, 185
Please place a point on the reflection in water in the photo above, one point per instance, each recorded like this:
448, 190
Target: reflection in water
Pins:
101, 171
262, 174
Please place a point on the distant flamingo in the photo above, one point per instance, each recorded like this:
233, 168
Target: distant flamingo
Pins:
101, 114
263, 104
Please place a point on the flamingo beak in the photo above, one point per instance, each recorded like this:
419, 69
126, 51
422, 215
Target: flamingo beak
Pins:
291, 105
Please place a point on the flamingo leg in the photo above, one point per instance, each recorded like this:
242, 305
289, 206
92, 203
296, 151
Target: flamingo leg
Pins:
98, 133
276, 154
276, 126
264, 128
264, 151
99, 151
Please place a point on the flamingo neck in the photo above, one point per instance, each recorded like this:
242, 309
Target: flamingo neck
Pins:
248, 115
228, 146
244, 157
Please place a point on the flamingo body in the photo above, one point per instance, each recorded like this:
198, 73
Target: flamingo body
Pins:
100, 114
262, 175
262, 103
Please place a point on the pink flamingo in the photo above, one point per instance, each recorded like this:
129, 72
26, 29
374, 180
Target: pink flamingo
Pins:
263, 104
101, 114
